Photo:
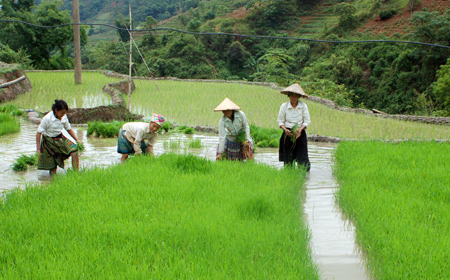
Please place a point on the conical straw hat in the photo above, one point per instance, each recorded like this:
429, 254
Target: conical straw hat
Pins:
296, 89
227, 104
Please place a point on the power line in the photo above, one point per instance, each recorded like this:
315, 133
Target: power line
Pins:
235, 35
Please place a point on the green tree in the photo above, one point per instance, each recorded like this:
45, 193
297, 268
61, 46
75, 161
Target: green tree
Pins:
124, 35
275, 66
441, 88
346, 13
39, 43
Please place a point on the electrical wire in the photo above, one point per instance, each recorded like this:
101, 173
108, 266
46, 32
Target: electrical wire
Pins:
237, 35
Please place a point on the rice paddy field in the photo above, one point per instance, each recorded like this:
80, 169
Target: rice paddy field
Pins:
48, 86
183, 217
192, 103
166, 217
398, 197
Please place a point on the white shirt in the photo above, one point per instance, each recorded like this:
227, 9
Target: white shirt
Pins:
290, 116
51, 126
230, 129
136, 132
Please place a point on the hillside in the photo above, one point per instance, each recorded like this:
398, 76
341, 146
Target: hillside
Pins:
399, 23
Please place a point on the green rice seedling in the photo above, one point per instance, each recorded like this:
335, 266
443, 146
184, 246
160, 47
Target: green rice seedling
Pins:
293, 137
263, 144
181, 128
195, 143
172, 144
19, 166
105, 130
270, 136
186, 219
14, 110
166, 127
241, 137
260, 104
22, 163
80, 148
8, 124
189, 130
397, 196
48, 86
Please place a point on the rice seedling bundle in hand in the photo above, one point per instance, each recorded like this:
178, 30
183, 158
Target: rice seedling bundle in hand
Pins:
80, 148
24, 161
241, 137
294, 137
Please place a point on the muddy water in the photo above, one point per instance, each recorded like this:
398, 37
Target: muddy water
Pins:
333, 240
332, 236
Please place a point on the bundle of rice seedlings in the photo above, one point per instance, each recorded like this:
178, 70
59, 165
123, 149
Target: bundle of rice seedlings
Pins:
80, 147
24, 161
241, 137
293, 137
189, 130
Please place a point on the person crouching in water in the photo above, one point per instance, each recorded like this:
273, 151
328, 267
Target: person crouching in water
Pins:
132, 137
234, 133
52, 146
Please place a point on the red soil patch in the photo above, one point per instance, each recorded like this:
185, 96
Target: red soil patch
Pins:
238, 13
400, 22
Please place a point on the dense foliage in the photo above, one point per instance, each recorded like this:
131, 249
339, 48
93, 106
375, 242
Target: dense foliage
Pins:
392, 77
33, 45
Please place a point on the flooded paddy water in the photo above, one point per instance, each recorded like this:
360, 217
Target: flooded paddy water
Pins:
332, 242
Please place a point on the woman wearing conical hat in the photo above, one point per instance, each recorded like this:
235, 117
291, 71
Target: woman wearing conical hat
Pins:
294, 118
235, 142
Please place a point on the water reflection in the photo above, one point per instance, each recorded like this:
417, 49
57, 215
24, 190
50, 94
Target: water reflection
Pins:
332, 237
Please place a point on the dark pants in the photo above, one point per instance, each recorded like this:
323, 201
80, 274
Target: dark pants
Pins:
288, 152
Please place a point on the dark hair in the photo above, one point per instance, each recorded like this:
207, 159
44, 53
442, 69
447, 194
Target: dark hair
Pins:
59, 105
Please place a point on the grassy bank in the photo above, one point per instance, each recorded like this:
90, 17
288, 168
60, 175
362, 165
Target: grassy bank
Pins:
192, 103
398, 197
170, 217
8, 124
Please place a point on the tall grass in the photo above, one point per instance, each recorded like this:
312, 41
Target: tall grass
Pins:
166, 217
192, 103
8, 124
398, 196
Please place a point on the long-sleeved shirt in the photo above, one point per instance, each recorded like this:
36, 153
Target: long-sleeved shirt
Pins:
230, 129
51, 126
136, 132
290, 116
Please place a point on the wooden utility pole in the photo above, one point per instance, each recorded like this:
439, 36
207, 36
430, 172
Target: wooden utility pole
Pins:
131, 63
76, 41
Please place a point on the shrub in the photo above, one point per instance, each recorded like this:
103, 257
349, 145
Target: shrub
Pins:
387, 14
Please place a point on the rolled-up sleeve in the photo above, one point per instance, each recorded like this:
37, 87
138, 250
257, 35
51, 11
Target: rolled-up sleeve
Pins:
43, 126
282, 115
222, 135
67, 125
306, 118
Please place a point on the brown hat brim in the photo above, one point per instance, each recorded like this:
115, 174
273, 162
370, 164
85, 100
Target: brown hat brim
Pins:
295, 89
